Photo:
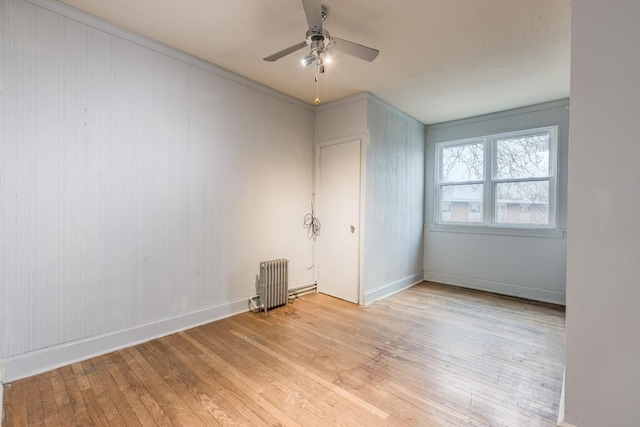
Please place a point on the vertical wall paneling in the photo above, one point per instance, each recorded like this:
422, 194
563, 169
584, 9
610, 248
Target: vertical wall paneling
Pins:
137, 127
393, 253
42, 178
394, 188
137, 188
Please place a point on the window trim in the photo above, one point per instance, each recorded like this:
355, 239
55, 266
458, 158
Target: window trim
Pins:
555, 233
489, 225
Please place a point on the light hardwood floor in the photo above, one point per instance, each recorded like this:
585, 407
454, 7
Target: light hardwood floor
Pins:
432, 355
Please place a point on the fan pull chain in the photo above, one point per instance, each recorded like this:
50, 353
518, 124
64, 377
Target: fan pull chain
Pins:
317, 101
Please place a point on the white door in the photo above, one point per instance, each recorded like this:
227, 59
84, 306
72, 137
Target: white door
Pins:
339, 214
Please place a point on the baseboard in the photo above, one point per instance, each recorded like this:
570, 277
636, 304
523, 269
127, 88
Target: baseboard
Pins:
515, 290
392, 288
561, 404
561, 422
36, 362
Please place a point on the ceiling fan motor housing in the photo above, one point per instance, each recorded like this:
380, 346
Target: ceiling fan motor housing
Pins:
316, 39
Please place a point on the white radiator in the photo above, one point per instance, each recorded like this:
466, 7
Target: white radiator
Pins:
274, 283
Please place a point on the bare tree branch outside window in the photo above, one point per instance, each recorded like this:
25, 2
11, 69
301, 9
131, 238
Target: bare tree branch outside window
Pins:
463, 163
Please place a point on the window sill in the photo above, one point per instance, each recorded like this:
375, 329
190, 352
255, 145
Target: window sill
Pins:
552, 233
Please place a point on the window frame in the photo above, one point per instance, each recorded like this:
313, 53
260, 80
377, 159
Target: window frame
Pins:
490, 182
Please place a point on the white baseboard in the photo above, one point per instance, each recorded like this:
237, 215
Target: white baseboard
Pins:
392, 288
561, 404
36, 362
564, 424
510, 289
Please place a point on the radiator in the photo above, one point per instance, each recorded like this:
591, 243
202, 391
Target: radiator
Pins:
274, 283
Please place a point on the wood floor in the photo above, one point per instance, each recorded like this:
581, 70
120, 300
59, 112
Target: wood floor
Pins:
429, 356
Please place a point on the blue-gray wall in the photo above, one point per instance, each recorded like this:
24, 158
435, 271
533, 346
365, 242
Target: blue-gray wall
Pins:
394, 197
519, 264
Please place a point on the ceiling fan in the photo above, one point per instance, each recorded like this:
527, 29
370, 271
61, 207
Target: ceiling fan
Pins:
321, 42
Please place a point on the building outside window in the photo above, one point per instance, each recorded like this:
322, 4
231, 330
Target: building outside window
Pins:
501, 213
475, 212
446, 211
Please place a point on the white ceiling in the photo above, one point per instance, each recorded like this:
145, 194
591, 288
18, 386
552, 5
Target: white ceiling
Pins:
439, 59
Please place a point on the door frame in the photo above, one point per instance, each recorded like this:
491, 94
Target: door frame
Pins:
363, 138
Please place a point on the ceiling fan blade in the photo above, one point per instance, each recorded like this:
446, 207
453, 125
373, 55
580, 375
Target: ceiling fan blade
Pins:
313, 10
354, 49
285, 52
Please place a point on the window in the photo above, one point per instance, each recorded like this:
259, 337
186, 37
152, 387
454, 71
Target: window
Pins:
475, 212
506, 180
446, 211
501, 213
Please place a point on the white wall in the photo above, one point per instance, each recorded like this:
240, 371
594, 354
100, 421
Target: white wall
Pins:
394, 188
139, 187
338, 119
518, 265
603, 254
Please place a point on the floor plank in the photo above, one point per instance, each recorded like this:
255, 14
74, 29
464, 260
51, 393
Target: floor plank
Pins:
431, 355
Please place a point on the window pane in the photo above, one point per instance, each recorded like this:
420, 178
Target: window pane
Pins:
461, 203
525, 157
462, 163
522, 203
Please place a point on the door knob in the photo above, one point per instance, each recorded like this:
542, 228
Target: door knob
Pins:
353, 229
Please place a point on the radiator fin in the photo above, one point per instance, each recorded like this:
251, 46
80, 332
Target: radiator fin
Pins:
274, 283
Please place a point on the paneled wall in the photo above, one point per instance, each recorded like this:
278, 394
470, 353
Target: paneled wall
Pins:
394, 215
394, 188
520, 265
137, 185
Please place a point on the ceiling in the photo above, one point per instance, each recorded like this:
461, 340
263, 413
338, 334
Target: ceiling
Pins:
439, 60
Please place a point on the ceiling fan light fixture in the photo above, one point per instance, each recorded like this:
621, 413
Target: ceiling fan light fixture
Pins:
328, 55
320, 42
320, 66
308, 59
